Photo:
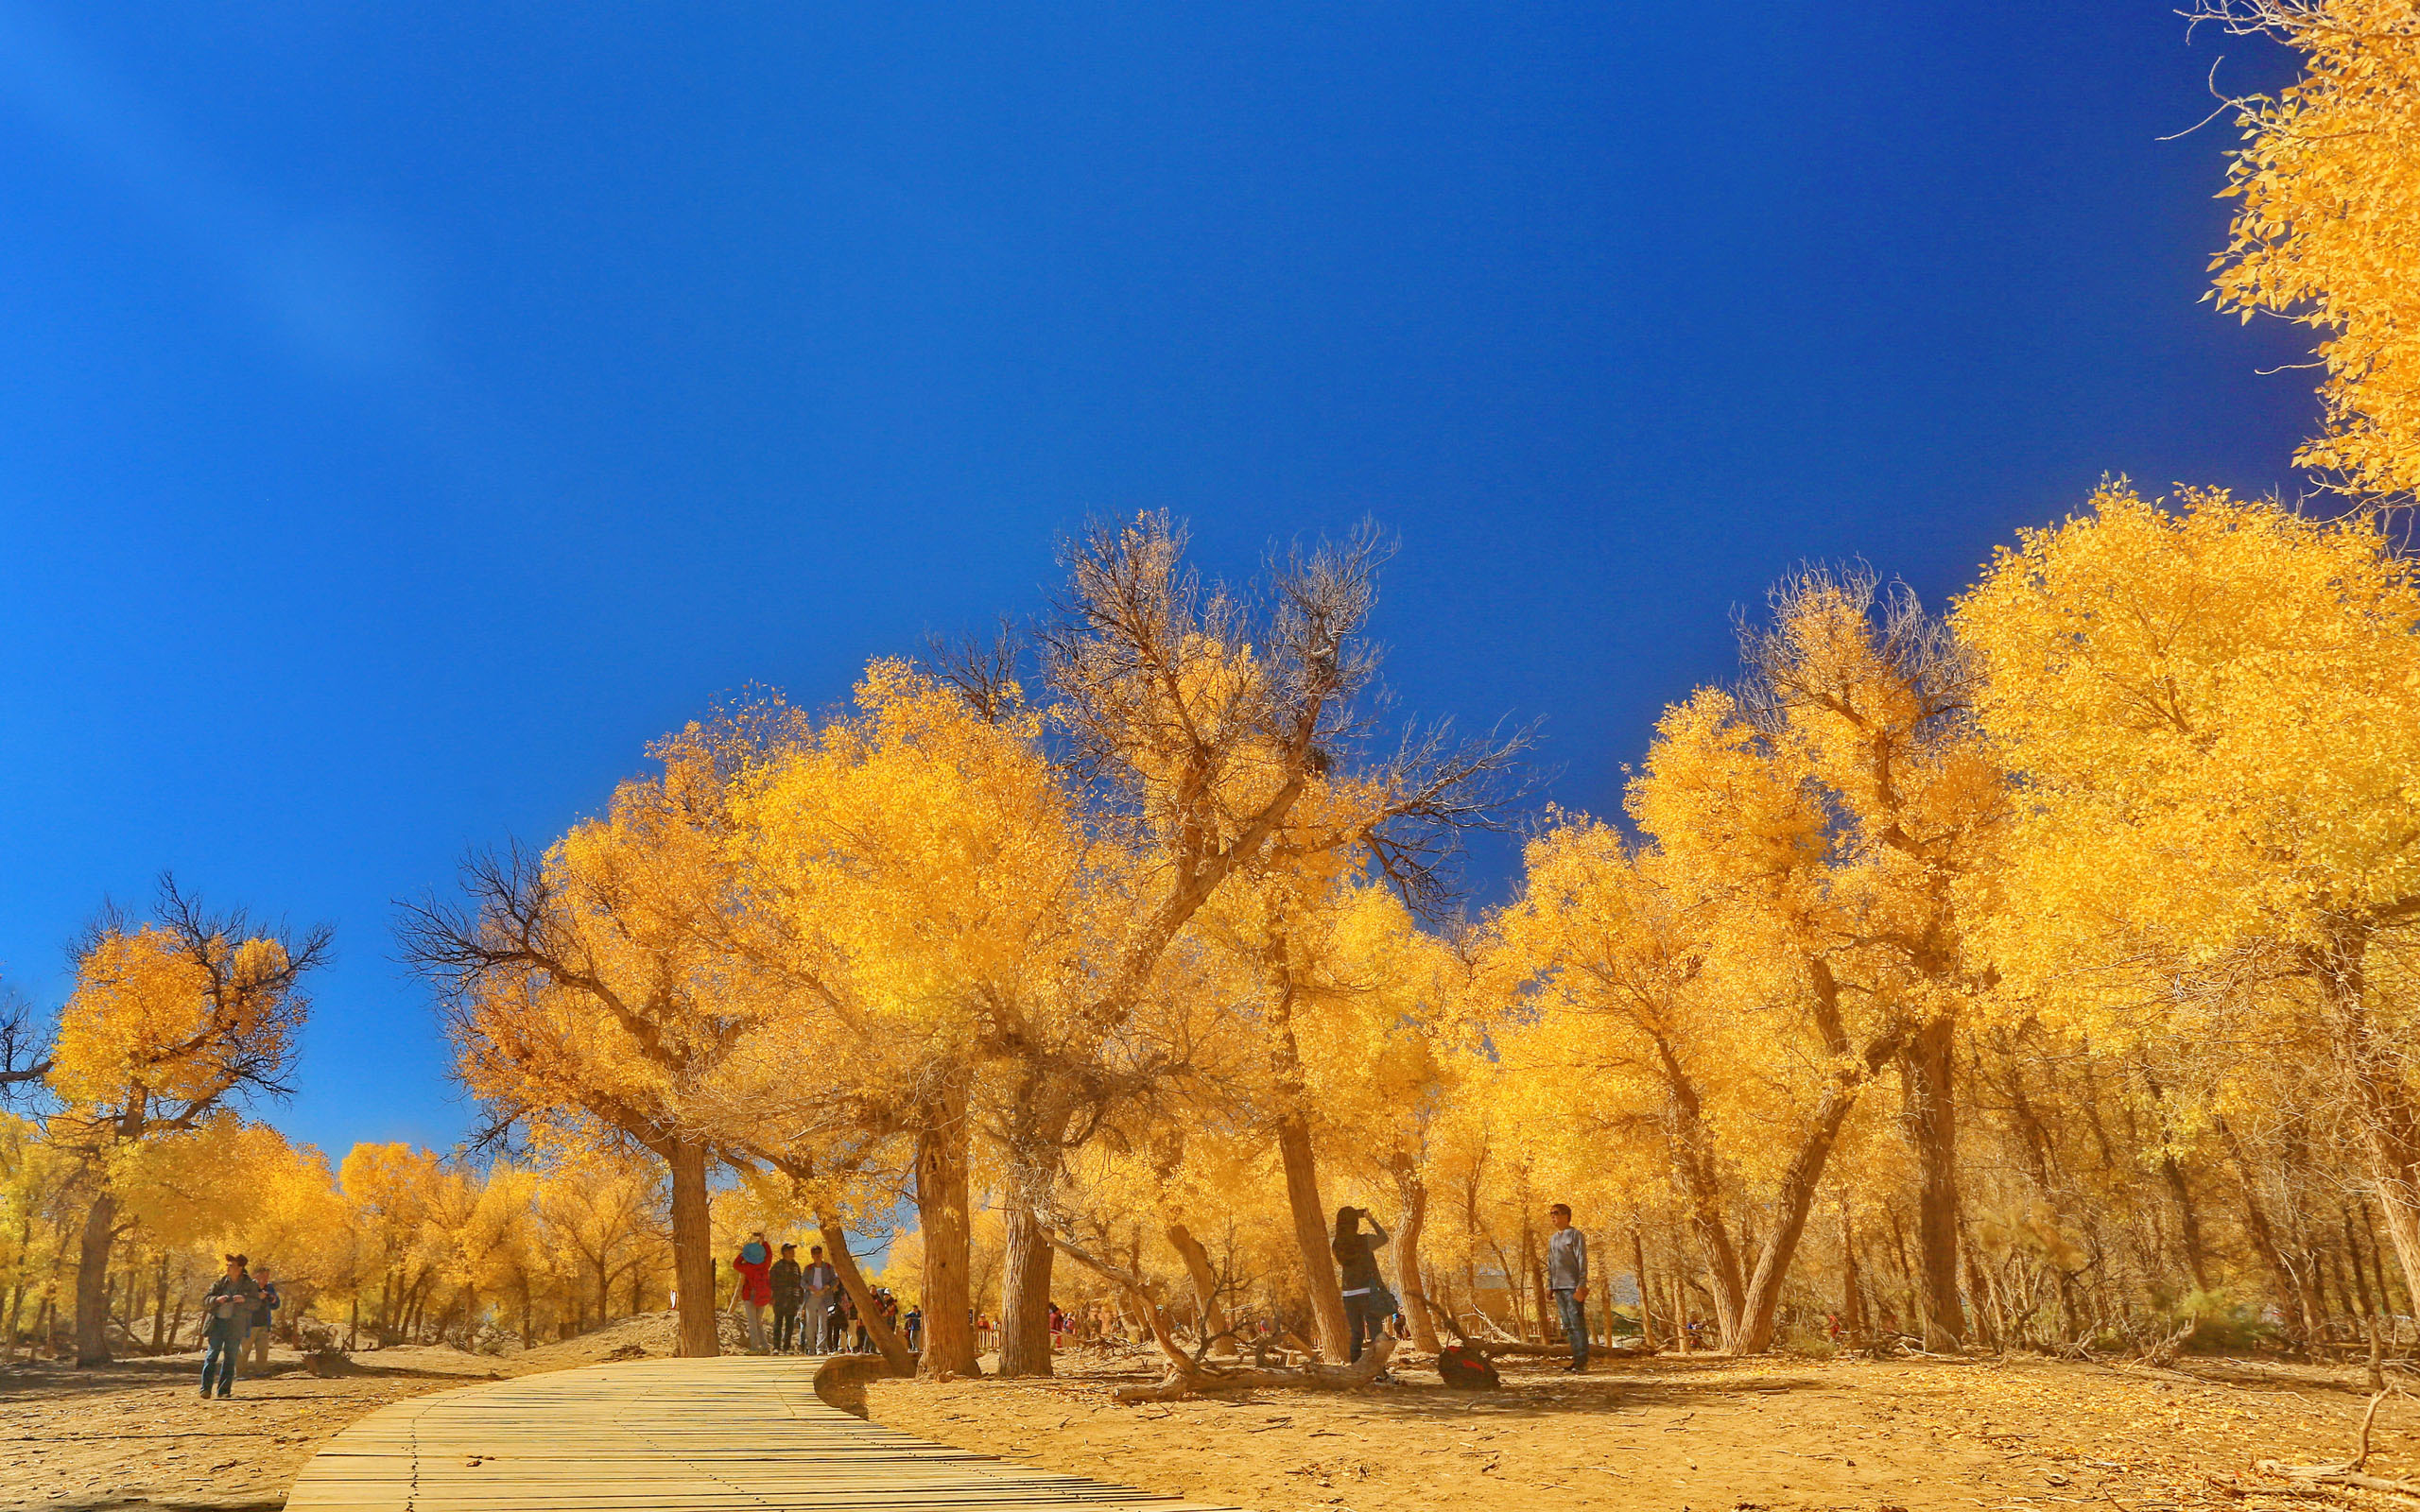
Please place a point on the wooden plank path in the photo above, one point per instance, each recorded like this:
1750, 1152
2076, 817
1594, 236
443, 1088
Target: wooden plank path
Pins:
685, 1435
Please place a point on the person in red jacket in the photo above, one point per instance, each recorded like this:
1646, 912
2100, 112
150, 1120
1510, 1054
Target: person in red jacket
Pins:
755, 1264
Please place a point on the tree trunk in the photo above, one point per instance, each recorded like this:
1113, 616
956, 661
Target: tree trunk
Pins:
1549, 1323
353, 1326
1024, 1295
2264, 1237
1760, 1306
853, 1281
1409, 1274
1638, 1274
161, 1298
1932, 1107
2188, 1220
2352, 1256
1311, 1236
1852, 1304
942, 1213
1205, 1289
2389, 1126
693, 1255
177, 1320
93, 1281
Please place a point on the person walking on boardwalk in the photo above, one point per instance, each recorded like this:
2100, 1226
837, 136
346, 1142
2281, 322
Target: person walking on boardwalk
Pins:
785, 1298
1568, 1277
818, 1279
755, 1264
1367, 1302
228, 1309
264, 1317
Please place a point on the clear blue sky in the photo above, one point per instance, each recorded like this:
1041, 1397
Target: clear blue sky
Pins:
405, 412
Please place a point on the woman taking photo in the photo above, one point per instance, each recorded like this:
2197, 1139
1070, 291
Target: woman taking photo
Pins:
1367, 1302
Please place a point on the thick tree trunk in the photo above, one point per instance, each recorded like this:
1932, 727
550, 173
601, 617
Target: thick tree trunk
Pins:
853, 1281
1039, 1126
693, 1254
1414, 1281
1311, 1236
159, 1299
1024, 1295
943, 1215
1791, 1205
1205, 1289
93, 1281
1295, 1151
1704, 1191
1932, 1108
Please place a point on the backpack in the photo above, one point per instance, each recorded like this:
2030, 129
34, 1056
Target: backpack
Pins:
1462, 1367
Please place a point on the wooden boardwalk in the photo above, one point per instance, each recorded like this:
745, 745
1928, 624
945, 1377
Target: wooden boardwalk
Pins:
687, 1435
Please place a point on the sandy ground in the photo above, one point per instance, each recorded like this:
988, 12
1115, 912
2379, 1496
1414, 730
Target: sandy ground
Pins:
137, 1433
1701, 1435
1704, 1436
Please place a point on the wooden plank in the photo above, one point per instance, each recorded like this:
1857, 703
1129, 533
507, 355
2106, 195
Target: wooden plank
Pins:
683, 1435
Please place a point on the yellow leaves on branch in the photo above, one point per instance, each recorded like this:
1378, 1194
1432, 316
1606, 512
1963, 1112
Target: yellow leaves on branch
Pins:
148, 1022
2326, 227
2214, 709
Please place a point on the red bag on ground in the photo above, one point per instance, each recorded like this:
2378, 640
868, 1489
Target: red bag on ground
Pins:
1460, 1366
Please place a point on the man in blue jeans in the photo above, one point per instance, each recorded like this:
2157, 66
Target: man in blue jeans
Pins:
229, 1312
1568, 1277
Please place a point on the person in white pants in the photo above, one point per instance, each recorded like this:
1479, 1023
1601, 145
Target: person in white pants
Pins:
819, 1280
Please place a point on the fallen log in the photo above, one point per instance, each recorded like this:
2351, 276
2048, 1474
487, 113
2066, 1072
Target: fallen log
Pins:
1203, 1378
2349, 1472
2336, 1475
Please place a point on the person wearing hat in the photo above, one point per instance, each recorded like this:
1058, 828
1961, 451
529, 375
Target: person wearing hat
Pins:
786, 1294
228, 1309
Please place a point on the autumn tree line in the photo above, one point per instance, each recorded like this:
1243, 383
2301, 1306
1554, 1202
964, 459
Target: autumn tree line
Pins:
2034, 968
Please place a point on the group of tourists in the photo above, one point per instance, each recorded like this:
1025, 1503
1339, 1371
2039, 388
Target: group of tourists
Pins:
812, 1312
238, 1310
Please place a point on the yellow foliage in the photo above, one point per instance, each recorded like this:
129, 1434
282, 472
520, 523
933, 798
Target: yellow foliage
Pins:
2326, 227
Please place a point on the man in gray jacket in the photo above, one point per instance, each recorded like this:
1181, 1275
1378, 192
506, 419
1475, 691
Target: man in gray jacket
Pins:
1568, 1277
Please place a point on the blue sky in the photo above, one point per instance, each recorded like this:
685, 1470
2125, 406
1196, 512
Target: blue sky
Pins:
407, 412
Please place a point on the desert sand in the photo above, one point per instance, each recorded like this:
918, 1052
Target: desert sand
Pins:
1692, 1434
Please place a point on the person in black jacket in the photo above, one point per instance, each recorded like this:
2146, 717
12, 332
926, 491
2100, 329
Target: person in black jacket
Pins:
787, 1289
1367, 1302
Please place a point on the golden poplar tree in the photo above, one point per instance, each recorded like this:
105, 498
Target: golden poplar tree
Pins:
171, 1023
2326, 227
2214, 712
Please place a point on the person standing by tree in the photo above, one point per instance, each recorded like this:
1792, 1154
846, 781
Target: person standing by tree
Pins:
818, 1279
230, 1304
264, 1317
1568, 1277
785, 1296
1367, 1302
